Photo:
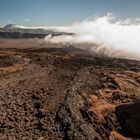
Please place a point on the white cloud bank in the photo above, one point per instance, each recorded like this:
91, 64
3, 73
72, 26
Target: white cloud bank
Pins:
118, 38
105, 34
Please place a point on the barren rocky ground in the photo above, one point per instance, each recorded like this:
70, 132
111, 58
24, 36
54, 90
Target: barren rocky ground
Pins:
49, 93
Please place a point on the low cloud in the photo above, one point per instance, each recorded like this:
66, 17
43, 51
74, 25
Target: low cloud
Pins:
27, 20
105, 34
9, 21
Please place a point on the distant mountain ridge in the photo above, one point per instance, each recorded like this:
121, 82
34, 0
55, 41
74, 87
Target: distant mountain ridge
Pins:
13, 31
9, 26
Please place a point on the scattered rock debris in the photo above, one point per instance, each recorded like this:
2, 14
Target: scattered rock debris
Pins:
52, 94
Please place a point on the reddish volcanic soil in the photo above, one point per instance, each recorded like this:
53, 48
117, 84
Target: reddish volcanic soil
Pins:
49, 93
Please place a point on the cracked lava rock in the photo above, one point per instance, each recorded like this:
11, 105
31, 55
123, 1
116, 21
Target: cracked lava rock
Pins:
67, 94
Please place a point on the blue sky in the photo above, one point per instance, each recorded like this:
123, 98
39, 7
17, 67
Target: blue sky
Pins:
63, 12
